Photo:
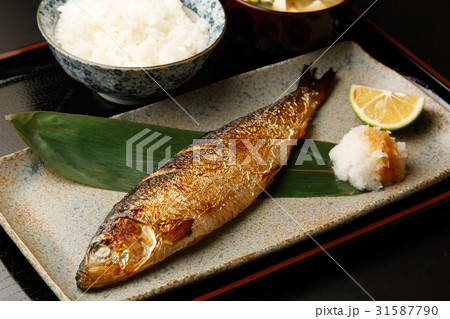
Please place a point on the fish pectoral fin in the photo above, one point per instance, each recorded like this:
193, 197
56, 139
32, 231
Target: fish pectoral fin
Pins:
180, 231
268, 177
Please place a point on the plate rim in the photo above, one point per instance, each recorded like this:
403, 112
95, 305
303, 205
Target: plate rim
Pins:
242, 259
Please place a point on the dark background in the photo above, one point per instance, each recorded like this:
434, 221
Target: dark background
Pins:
409, 260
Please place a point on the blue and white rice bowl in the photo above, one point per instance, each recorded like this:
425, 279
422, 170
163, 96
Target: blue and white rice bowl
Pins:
129, 85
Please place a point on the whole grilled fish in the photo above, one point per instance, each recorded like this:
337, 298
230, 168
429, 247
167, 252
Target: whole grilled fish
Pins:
200, 188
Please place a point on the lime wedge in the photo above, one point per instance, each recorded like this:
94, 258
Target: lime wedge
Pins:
385, 109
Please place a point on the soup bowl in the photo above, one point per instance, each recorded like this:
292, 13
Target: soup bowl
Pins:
287, 32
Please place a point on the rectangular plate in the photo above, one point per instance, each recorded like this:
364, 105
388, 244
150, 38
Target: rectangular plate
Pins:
52, 219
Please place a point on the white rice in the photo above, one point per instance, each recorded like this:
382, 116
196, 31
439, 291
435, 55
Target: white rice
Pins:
130, 33
357, 160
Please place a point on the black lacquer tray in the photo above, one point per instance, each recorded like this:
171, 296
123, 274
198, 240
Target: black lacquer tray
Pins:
33, 80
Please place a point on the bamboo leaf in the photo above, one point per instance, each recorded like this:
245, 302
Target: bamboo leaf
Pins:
94, 151
311, 178
91, 150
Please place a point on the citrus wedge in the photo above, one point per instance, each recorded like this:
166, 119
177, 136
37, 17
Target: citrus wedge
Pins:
385, 109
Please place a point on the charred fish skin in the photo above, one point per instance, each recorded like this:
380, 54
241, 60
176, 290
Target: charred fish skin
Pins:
199, 189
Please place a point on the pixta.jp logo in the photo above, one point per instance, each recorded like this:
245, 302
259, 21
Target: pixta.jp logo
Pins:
146, 147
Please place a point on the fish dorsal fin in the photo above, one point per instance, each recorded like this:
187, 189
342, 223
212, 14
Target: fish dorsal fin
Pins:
179, 231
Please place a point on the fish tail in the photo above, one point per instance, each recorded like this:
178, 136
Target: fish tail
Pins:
321, 86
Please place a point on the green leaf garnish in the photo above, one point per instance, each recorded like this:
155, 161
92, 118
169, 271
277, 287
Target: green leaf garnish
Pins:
93, 151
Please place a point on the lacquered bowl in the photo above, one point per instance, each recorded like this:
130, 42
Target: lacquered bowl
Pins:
132, 85
285, 32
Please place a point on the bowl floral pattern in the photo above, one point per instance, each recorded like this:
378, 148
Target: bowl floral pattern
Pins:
122, 84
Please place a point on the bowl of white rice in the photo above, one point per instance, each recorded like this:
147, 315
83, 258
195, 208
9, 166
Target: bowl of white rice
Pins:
129, 50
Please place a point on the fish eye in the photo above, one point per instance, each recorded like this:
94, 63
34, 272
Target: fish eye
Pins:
101, 250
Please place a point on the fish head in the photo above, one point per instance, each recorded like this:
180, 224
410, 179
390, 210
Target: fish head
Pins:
117, 251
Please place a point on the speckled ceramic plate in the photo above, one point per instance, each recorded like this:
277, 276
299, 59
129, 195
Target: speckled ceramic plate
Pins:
52, 219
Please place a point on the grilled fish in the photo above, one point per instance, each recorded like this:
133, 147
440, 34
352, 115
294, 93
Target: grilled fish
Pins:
201, 188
